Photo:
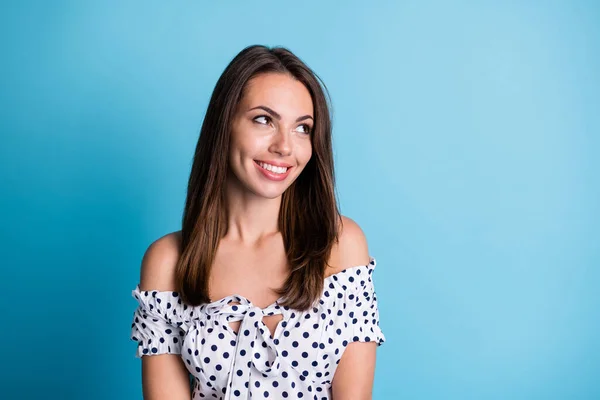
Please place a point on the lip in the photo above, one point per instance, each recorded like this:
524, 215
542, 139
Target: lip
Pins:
272, 175
275, 163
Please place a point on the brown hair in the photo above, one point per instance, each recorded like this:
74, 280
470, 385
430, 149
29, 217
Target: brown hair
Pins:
309, 217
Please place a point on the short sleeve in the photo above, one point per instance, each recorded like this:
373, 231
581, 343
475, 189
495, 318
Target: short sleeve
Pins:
364, 313
157, 325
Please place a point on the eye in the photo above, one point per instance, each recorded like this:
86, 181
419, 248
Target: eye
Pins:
264, 117
307, 129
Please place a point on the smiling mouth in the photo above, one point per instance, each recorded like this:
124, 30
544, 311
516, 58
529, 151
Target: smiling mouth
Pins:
272, 168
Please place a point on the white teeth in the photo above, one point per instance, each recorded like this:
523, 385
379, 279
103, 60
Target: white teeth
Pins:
272, 168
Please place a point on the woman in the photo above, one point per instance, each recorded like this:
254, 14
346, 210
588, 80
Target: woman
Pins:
266, 286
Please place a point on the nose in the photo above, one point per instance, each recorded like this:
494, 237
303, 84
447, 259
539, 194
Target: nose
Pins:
281, 143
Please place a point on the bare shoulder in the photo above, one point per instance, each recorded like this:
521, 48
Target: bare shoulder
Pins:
351, 250
158, 264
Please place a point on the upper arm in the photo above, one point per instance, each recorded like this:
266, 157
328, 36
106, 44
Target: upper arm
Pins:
354, 374
164, 376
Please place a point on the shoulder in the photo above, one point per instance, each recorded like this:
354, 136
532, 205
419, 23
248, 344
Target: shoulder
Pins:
159, 261
350, 250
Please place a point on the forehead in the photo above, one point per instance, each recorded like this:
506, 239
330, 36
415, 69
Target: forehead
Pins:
281, 92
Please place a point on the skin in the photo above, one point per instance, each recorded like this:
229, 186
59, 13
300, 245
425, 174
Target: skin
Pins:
251, 259
257, 134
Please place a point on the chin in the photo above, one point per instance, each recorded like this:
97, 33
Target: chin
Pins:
269, 193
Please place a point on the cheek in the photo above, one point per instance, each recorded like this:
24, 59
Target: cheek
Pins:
238, 147
248, 143
306, 153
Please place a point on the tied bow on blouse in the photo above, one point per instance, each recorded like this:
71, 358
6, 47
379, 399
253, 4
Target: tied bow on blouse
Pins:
254, 348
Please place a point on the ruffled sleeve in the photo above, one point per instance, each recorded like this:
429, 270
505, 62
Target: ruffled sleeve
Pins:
159, 322
364, 315
360, 308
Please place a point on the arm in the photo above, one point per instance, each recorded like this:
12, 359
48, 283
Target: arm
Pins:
164, 376
354, 376
355, 373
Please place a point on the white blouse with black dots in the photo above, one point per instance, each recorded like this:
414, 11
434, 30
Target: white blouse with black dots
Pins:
299, 361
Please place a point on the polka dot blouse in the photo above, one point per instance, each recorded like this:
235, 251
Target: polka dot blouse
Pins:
298, 361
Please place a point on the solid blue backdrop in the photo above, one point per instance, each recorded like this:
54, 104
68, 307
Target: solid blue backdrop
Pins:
466, 139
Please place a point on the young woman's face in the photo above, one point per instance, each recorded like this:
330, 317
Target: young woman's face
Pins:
271, 134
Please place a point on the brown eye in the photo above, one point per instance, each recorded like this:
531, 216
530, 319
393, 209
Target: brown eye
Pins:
264, 117
306, 128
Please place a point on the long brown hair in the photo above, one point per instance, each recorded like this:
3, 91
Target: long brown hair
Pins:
309, 218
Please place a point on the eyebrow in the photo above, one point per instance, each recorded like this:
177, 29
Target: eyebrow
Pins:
276, 115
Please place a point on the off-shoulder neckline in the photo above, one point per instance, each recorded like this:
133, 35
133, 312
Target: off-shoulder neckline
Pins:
333, 277
345, 271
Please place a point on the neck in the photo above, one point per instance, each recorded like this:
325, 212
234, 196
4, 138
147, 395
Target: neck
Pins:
250, 218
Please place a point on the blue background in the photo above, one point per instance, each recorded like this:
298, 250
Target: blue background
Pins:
466, 141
